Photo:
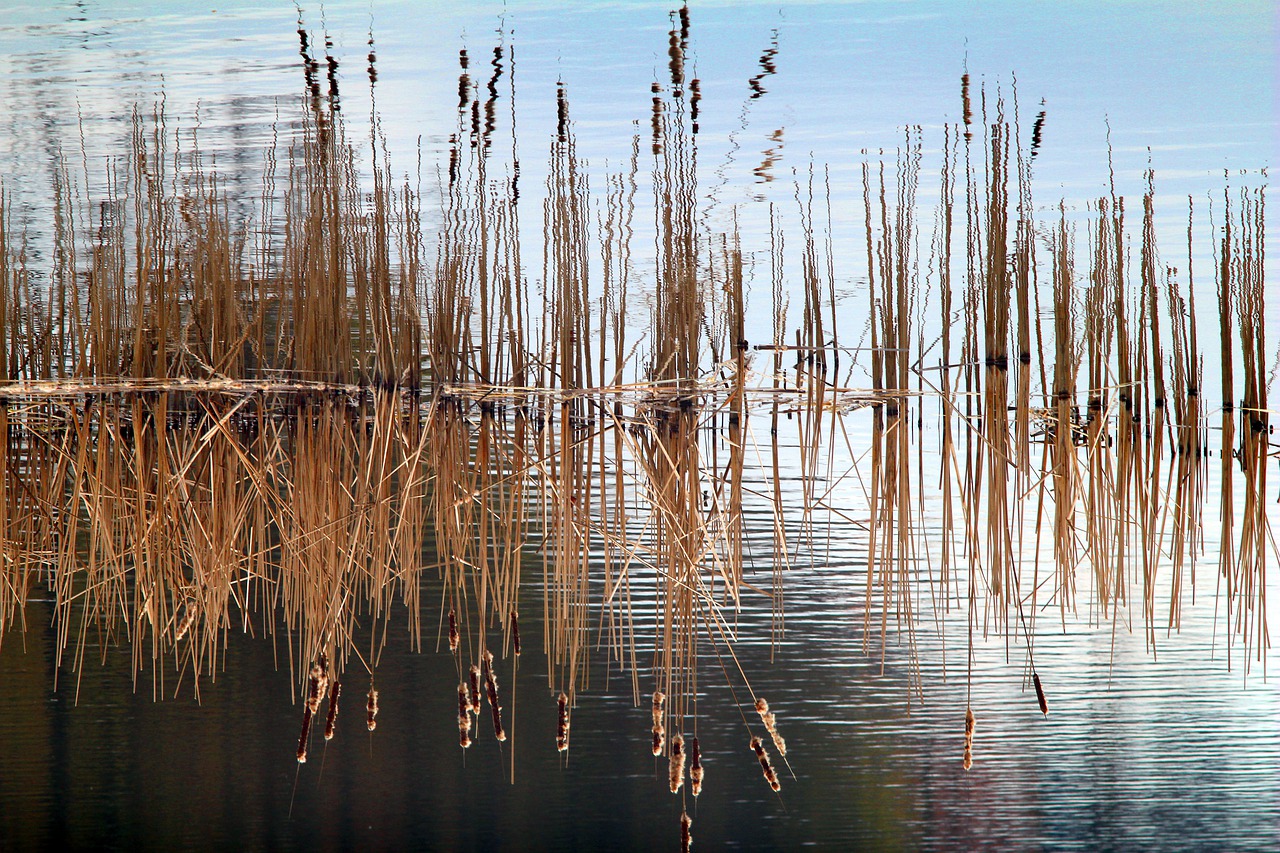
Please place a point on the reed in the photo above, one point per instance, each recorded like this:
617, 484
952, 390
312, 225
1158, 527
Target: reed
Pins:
280, 422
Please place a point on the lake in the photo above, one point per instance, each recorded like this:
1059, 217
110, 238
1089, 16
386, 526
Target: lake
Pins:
881, 360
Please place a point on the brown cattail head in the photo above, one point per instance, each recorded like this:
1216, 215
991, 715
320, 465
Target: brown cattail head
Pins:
330, 720
771, 725
968, 738
695, 768
371, 709
562, 730
464, 715
491, 691
188, 618
766, 767
562, 113
453, 630
305, 736
475, 689
317, 684
677, 762
515, 632
686, 837
1044, 705
659, 730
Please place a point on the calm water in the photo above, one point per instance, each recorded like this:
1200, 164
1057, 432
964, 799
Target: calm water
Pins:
1175, 751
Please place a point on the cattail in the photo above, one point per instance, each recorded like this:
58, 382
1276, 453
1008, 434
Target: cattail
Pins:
677, 762
769, 775
1044, 705
318, 684
770, 724
475, 689
332, 718
306, 734
491, 690
966, 105
695, 768
515, 632
686, 837
464, 715
562, 730
188, 618
659, 731
562, 113
968, 738
453, 631
371, 708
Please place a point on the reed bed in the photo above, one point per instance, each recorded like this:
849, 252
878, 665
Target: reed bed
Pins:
280, 427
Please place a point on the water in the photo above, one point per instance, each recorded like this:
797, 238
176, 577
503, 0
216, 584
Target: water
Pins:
1177, 751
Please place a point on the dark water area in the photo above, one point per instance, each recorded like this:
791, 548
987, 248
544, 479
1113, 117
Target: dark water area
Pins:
1172, 755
